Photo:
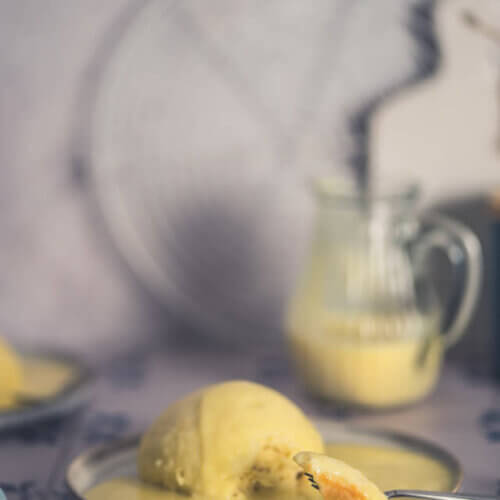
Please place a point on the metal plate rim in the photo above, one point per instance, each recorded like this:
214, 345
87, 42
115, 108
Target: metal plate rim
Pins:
130, 442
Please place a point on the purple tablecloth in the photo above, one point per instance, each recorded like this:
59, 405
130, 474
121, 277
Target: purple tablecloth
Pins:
463, 415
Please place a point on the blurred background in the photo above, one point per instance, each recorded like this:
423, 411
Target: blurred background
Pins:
155, 155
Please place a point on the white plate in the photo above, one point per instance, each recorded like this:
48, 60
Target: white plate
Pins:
71, 397
118, 459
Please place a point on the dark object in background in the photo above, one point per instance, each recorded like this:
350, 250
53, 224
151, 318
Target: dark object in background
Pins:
473, 354
495, 205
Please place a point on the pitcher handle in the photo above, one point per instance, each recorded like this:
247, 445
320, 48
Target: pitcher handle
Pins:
461, 246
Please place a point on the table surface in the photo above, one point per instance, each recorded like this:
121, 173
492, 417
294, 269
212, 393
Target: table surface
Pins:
463, 415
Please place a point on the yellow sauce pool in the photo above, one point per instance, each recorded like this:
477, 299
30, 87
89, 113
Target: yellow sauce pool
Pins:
389, 468
40, 378
395, 468
44, 378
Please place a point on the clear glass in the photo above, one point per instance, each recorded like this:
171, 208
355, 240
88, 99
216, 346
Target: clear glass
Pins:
365, 323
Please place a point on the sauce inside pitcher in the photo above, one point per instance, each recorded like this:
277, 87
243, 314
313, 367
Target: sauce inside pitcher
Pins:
374, 361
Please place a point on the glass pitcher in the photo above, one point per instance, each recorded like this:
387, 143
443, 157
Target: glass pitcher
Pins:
365, 325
